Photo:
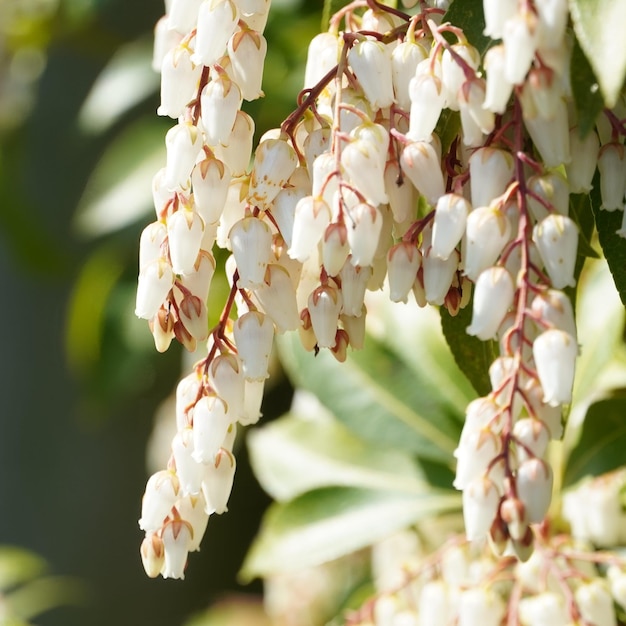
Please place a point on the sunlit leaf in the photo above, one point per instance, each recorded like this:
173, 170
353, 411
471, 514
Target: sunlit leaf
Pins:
325, 524
599, 26
127, 80
119, 191
602, 440
237, 610
580, 210
378, 396
293, 455
18, 566
613, 246
469, 16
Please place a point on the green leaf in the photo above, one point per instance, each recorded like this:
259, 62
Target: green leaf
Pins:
119, 190
448, 128
580, 210
613, 245
472, 355
599, 26
469, 16
293, 455
378, 396
325, 524
18, 566
602, 440
587, 97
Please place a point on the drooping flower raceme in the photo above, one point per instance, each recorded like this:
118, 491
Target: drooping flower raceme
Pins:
356, 191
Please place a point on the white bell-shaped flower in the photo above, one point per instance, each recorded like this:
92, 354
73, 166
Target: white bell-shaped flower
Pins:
554, 308
550, 136
324, 307
534, 488
192, 510
434, 604
401, 193
164, 41
480, 506
251, 243
420, 162
361, 161
371, 63
162, 197
218, 482
519, 35
179, 81
311, 218
322, 56
154, 283
355, 327
449, 224
211, 421
152, 554
474, 455
335, 248
277, 297
534, 436
354, 280
553, 16
151, 242
453, 73
162, 491
284, 208
556, 238
551, 416
544, 609
487, 232
498, 89
220, 100
404, 59
227, 378
193, 315
582, 167
497, 14
364, 229
254, 335
247, 50
438, 274
183, 15
595, 603
210, 179
184, 231
198, 281
476, 119
612, 166
217, 21
427, 101
550, 193
253, 398
555, 353
236, 154
183, 143
491, 171
493, 296
480, 606
189, 471
177, 537
403, 262
274, 162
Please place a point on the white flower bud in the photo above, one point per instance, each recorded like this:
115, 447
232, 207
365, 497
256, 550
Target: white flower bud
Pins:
595, 603
177, 537
220, 100
480, 606
151, 242
155, 281
555, 308
499, 89
403, 262
545, 609
401, 193
324, 307
164, 41
474, 454
192, 510
362, 163
274, 162
211, 421
420, 162
179, 82
227, 378
312, 217
476, 119
218, 482
480, 506
534, 488
550, 136
449, 224
487, 232
184, 230
371, 64
236, 153
551, 194
438, 275
491, 171
193, 316
251, 243
354, 281
519, 35
363, 229
277, 297
493, 295
427, 100
152, 554
322, 56
555, 353
254, 334
247, 49
183, 143
556, 238
189, 471
497, 14
434, 604
253, 398
162, 491
404, 59
217, 21
533, 434
183, 15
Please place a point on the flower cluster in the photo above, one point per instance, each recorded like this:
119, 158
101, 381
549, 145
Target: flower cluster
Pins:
358, 189
464, 584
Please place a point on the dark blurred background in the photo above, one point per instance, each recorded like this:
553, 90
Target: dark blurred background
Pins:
80, 380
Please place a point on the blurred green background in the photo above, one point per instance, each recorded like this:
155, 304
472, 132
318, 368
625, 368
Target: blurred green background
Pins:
80, 379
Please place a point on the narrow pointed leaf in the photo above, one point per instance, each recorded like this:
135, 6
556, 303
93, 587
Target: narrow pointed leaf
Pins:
325, 524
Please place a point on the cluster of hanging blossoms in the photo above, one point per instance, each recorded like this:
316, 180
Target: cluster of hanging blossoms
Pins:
355, 191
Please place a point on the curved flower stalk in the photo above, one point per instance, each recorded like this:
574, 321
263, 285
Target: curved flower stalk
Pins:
357, 190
